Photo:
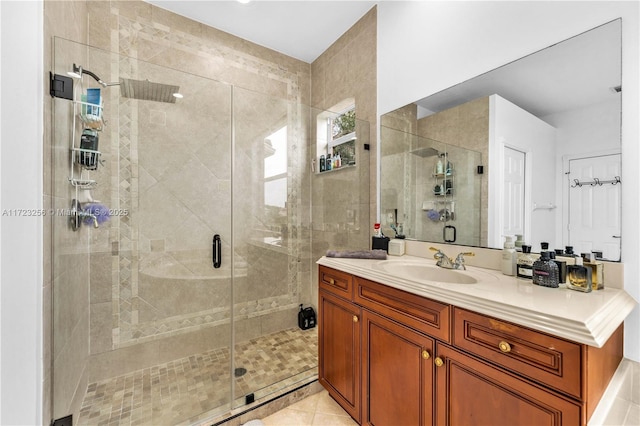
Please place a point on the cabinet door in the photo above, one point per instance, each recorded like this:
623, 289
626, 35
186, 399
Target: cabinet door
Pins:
339, 351
397, 374
471, 392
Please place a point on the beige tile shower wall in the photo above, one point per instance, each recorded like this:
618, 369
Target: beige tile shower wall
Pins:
347, 69
136, 162
466, 126
66, 254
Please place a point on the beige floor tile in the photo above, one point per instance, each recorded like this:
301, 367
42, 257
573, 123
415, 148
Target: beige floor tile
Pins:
309, 404
289, 417
327, 405
322, 419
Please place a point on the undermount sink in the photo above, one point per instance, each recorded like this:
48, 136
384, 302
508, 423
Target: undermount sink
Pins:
424, 272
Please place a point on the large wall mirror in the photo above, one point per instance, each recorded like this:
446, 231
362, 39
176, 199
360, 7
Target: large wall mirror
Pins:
530, 149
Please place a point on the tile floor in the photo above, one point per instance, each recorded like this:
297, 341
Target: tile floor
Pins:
185, 388
315, 410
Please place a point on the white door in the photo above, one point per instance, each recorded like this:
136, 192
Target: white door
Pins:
594, 208
513, 192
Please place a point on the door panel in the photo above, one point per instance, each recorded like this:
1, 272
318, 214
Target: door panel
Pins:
470, 392
514, 192
594, 209
397, 373
339, 351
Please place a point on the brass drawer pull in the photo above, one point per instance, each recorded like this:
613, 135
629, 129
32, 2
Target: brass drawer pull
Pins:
331, 281
425, 355
355, 318
504, 347
438, 362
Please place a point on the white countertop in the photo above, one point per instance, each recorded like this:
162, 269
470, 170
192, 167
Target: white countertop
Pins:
588, 318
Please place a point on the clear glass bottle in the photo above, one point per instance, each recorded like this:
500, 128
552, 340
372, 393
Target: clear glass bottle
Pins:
597, 273
525, 263
579, 277
545, 271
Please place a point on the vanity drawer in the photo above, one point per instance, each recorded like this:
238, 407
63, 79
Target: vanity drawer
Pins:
538, 356
423, 315
336, 282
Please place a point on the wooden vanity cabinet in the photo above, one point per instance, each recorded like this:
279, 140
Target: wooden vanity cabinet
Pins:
397, 373
473, 392
389, 357
339, 331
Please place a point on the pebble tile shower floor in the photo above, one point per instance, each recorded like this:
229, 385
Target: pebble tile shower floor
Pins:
170, 393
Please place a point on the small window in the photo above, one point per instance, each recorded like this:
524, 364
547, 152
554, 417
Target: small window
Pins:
337, 139
275, 169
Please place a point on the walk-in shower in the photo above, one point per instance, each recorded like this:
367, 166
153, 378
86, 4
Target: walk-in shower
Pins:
145, 329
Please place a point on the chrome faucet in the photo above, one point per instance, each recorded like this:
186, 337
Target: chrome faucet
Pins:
444, 261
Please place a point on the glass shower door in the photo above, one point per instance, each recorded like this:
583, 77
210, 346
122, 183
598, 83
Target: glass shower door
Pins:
271, 246
142, 311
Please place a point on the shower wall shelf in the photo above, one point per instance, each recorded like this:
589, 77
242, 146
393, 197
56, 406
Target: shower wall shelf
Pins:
84, 160
90, 115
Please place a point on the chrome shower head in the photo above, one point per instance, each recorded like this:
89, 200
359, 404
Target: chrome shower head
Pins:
148, 91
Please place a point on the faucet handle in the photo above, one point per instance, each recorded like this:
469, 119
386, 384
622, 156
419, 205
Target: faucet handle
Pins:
438, 253
467, 253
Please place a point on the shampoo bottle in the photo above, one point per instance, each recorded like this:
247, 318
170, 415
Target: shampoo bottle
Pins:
509, 257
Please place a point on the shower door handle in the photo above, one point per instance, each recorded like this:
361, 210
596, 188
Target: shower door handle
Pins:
217, 251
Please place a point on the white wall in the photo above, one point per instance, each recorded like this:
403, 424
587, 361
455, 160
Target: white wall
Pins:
425, 47
21, 128
516, 128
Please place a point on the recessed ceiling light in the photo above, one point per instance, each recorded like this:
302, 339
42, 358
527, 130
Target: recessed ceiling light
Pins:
178, 95
244, 1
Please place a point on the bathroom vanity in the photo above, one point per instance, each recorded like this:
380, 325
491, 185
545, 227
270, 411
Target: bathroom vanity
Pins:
470, 347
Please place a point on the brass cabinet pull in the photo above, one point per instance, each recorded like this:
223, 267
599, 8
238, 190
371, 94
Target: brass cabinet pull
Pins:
504, 347
355, 318
438, 362
425, 355
331, 281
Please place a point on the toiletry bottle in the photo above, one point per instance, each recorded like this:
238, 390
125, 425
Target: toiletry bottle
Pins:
579, 277
562, 267
545, 272
525, 263
509, 257
597, 273
518, 243
328, 162
376, 231
439, 167
544, 246
322, 163
568, 251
